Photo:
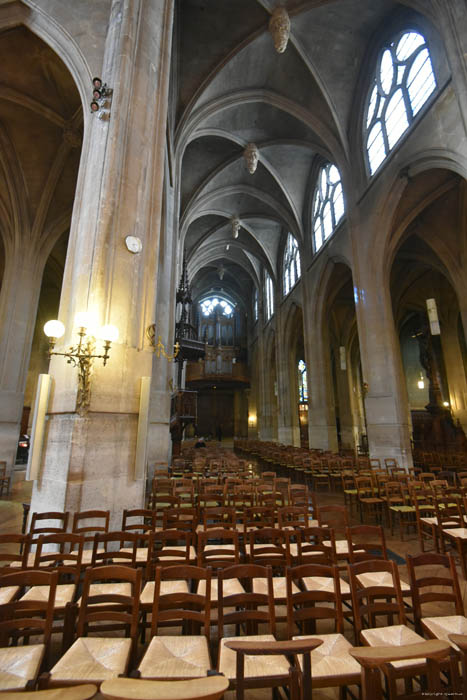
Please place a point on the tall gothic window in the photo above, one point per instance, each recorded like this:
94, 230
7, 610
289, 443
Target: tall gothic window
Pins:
302, 382
269, 296
256, 305
292, 269
402, 83
328, 204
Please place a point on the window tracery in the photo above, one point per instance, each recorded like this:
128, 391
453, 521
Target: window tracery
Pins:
292, 270
328, 204
403, 81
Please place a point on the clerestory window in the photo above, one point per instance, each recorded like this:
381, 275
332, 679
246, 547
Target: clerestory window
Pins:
402, 83
269, 296
292, 270
328, 204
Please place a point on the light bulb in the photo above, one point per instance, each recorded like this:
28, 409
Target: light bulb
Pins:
54, 329
421, 383
86, 320
446, 403
109, 333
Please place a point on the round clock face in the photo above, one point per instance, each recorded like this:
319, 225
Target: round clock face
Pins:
134, 244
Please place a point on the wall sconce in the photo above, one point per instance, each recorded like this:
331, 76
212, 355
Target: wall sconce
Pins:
446, 404
252, 420
159, 347
82, 355
421, 382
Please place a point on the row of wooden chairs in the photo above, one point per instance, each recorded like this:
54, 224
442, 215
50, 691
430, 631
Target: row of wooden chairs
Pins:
250, 602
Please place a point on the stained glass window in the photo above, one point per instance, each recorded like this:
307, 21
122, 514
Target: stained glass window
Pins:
208, 306
402, 83
302, 382
255, 305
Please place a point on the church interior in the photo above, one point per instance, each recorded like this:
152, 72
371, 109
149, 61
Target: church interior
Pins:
233, 348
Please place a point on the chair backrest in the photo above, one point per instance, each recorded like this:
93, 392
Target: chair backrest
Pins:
19, 557
63, 552
334, 516
438, 582
258, 517
25, 618
319, 602
88, 522
48, 524
191, 610
180, 518
366, 542
118, 546
316, 545
145, 519
448, 512
224, 517
372, 597
293, 516
248, 609
269, 546
212, 548
171, 547
106, 607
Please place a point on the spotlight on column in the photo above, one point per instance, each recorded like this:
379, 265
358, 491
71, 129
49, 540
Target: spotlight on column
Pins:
100, 92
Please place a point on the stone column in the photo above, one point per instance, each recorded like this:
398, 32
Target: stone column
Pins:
88, 461
163, 371
345, 408
385, 390
18, 307
454, 369
322, 431
285, 429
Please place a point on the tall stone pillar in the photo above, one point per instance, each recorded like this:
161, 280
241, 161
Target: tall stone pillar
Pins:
18, 307
322, 431
88, 461
385, 392
285, 428
455, 369
347, 429
163, 371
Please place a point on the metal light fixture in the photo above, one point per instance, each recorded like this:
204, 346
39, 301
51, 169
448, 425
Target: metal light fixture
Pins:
82, 355
421, 382
159, 347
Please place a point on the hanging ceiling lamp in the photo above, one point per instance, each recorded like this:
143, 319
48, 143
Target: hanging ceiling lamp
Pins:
279, 26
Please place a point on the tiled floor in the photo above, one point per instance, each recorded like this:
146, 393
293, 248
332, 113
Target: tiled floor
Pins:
11, 515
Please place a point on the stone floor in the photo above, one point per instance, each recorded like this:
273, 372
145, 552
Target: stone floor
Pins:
11, 515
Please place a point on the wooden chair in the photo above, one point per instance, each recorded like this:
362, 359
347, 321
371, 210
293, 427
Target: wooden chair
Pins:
181, 518
321, 600
370, 602
110, 602
368, 503
172, 656
18, 559
337, 518
62, 553
224, 551
261, 651
248, 610
145, 520
87, 523
20, 665
437, 584
48, 523
368, 542
316, 545
426, 520
209, 688
223, 517
376, 661
110, 547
